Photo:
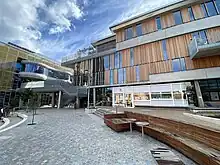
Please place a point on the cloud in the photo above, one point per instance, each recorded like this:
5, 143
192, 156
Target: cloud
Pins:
61, 13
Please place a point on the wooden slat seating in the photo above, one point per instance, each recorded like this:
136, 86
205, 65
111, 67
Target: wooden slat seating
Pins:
200, 144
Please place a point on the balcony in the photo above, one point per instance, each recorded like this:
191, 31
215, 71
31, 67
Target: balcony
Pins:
201, 48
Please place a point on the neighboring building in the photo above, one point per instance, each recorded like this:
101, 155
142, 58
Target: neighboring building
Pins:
159, 56
24, 69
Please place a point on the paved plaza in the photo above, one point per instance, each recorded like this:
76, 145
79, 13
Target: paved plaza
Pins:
68, 137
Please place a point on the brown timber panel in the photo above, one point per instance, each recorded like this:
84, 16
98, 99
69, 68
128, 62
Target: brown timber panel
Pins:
142, 54
128, 59
115, 76
137, 55
144, 27
167, 20
152, 68
128, 74
151, 25
134, 30
213, 35
185, 15
107, 76
197, 10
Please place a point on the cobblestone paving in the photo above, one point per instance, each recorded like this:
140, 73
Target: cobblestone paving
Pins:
68, 137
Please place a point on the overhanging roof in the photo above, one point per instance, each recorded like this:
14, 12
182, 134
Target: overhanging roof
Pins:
104, 40
154, 12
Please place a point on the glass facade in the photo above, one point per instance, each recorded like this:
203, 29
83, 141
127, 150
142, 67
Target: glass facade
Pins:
111, 77
120, 59
178, 18
120, 76
200, 35
116, 60
139, 30
191, 15
34, 68
204, 10
164, 46
158, 23
128, 33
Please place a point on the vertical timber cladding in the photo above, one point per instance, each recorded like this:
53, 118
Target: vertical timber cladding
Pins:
213, 35
185, 15
197, 10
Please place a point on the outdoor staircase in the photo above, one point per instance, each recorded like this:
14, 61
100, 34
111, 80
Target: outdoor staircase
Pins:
100, 112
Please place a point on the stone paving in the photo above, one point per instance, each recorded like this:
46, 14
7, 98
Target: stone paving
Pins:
68, 137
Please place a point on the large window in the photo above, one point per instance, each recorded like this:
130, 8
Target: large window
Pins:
139, 30
116, 60
155, 95
178, 18
120, 59
204, 10
132, 56
211, 8
191, 15
106, 62
158, 23
177, 95
217, 3
201, 35
137, 73
111, 77
128, 33
179, 65
124, 70
57, 74
141, 96
34, 68
164, 45
120, 76
166, 95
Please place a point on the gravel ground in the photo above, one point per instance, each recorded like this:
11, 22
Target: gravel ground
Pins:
67, 137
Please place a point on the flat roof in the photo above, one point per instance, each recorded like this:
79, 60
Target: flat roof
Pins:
153, 12
108, 38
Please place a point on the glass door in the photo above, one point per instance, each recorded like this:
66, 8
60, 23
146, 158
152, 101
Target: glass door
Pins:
129, 101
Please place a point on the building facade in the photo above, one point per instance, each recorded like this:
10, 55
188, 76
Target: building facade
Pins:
22, 69
160, 57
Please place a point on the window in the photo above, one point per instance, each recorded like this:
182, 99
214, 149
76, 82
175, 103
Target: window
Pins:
212, 84
178, 18
179, 65
206, 96
203, 36
120, 76
141, 96
204, 10
120, 59
117, 60
139, 30
191, 15
166, 95
137, 73
214, 96
182, 64
158, 23
111, 77
124, 70
177, 95
132, 56
211, 8
217, 3
155, 95
128, 33
106, 62
164, 45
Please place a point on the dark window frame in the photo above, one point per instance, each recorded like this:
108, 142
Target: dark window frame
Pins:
139, 26
165, 53
207, 9
180, 17
158, 22
191, 14
127, 37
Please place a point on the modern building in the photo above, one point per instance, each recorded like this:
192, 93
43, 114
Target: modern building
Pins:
22, 69
157, 58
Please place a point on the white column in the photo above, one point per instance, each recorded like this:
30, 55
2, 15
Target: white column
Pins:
59, 100
88, 98
94, 97
199, 94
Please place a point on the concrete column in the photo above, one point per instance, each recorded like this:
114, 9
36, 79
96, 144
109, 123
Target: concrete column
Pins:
59, 100
77, 102
88, 97
53, 100
94, 97
199, 94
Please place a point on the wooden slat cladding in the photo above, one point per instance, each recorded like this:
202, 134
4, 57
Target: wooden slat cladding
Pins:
125, 58
185, 15
213, 35
167, 20
197, 10
137, 55
150, 25
128, 74
112, 63
115, 76
144, 72
107, 77
120, 35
